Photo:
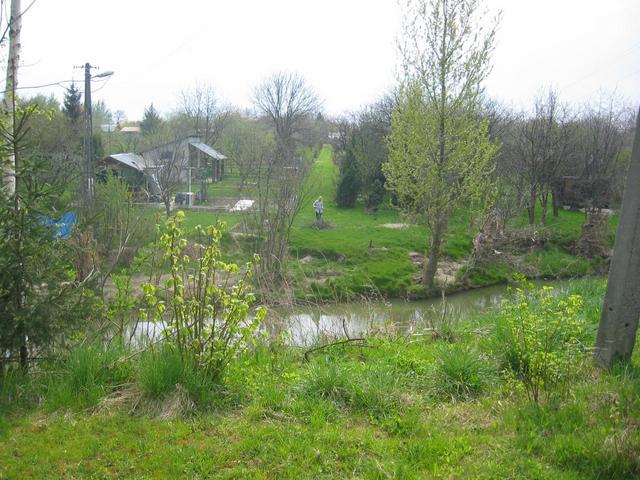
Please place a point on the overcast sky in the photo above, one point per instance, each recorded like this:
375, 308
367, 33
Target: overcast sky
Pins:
344, 48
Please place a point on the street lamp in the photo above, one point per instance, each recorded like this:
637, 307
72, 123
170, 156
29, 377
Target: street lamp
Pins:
88, 132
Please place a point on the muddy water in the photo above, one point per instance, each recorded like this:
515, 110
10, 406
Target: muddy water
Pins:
307, 325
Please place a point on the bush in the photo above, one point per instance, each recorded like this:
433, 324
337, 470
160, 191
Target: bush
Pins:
208, 320
541, 334
348, 183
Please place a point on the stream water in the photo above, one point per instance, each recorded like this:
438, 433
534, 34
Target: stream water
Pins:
307, 325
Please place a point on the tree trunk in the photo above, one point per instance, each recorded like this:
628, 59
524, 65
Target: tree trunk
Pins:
544, 203
531, 209
15, 25
431, 266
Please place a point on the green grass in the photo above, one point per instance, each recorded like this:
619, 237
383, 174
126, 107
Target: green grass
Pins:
397, 408
358, 255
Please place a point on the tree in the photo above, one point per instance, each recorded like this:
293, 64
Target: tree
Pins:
244, 141
349, 181
439, 151
202, 114
151, 120
368, 141
40, 297
287, 102
11, 83
72, 105
543, 146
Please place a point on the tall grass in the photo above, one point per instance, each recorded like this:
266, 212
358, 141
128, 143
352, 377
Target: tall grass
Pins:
83, 376
461, 373
161, 370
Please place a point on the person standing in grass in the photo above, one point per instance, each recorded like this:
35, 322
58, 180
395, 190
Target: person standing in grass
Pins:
319, 207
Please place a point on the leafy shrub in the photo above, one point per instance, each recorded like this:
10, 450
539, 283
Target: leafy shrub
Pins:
208, 320
460, 373
542, 333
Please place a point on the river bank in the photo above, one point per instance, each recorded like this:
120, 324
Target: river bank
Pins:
399, 404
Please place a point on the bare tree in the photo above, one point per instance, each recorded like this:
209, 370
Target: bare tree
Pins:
286, 101
542, 143
166, 165
244, 142
601, 132
203, 114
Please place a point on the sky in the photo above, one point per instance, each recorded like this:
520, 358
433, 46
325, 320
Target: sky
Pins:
346, 49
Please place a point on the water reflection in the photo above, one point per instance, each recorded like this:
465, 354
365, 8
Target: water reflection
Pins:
304, 326
307, 325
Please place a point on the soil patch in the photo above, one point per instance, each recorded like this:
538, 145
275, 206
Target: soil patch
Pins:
395, 226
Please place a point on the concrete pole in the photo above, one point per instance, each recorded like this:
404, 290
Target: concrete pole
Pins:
88, 143
621, 308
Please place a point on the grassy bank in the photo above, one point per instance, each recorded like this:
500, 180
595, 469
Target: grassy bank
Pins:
379, 253
428, 406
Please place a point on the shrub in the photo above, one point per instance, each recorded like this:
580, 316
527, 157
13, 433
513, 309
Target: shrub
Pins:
542, 334
208, 319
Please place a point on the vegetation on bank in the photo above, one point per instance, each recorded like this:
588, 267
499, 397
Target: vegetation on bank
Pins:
456, 405
379, 252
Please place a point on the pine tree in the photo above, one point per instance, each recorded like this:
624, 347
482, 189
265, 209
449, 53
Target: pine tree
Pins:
150, 121
72, 107
349, 181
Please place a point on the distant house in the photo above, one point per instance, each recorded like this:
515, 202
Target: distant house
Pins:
130, 129
189, 156
131, 168
200, 158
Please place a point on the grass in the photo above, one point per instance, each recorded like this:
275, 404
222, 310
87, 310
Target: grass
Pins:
410, 407
359, 255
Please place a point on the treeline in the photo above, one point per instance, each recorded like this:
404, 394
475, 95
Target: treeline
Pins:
539, 148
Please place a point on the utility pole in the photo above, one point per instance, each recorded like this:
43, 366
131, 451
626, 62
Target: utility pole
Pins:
619, 320
89, 174
88, 143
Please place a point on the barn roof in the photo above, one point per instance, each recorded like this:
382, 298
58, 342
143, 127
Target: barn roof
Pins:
203, 147
131, 160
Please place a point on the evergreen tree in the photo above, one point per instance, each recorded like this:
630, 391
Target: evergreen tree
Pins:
150, 121
72, 107
349, 181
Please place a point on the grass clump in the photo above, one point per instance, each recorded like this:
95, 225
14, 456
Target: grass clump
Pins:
84, 375
460, 373
162, 371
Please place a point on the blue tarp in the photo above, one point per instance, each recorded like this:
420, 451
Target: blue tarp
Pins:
62, 228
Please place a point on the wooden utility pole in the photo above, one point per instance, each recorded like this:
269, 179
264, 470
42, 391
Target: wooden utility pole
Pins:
15, 25
621, 308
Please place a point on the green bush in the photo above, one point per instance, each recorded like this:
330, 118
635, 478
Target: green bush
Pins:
209, 321
541, 332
